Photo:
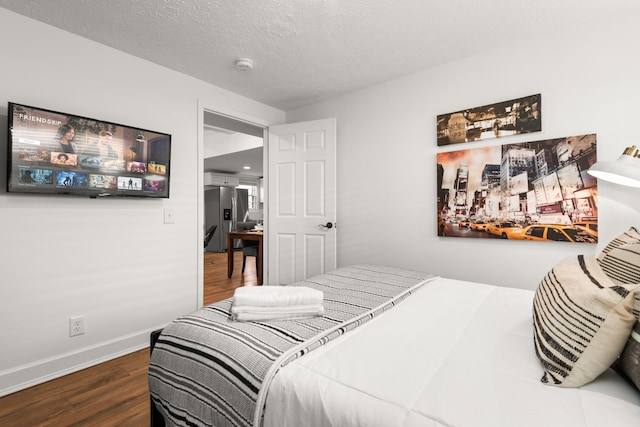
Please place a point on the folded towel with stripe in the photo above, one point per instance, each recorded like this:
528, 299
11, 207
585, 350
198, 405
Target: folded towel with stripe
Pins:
257, 313
276, 296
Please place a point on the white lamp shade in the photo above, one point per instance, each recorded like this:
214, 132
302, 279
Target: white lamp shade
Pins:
624, 171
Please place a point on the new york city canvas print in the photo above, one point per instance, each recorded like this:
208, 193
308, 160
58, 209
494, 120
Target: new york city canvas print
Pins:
527, 191
506, 118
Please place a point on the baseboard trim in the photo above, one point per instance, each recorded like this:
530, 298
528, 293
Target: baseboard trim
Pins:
29, 375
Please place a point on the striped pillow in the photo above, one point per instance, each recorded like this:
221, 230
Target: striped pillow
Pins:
630, 236
622, 263
629, 362
582, 321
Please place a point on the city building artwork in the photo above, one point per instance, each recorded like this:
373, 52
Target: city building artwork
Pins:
506, 118
541, 183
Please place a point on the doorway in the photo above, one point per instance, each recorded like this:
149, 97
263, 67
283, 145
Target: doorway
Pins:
233, 168
232, 175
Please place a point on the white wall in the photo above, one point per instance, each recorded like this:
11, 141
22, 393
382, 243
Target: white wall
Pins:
65, 256
589, 78
112, 260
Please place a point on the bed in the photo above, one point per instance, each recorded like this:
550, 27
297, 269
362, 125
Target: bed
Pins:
400, 348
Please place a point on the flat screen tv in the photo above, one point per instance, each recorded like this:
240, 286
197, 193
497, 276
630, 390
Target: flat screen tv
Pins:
59, 153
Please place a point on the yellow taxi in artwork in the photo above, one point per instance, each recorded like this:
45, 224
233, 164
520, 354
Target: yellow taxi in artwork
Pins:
555, 232
504, 229
590, 226
478, 225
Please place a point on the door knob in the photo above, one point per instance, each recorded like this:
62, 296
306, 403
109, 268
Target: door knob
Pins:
327, 225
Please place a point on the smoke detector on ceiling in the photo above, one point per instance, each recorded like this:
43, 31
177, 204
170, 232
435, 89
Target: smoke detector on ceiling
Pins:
244, 64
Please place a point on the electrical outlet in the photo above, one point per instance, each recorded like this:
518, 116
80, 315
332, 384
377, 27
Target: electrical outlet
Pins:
76, 326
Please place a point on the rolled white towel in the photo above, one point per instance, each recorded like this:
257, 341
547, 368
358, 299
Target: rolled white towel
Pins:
257, 313
277, 296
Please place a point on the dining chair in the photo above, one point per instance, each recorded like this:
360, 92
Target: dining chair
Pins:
249, 247
209, 235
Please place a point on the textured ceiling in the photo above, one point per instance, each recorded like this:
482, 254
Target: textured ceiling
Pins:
305, 51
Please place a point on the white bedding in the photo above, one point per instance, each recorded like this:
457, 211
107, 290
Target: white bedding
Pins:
454, 354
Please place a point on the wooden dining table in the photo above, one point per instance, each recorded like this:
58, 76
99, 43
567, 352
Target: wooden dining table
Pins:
244, 235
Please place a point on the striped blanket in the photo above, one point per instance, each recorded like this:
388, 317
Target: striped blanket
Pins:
207, 370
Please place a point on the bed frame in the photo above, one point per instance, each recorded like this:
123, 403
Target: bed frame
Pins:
156, 417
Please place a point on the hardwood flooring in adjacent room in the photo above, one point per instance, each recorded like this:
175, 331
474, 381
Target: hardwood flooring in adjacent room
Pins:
217, 286
114, 393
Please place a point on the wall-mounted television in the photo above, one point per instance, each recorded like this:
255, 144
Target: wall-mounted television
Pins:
58, 153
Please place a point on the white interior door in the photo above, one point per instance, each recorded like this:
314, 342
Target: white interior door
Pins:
302, 200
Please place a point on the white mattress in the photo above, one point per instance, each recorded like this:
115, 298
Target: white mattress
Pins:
454, 354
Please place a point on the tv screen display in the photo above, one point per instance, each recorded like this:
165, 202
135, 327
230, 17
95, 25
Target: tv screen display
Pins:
59, 153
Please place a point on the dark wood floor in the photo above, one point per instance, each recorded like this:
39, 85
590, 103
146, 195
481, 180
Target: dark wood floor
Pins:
114, 393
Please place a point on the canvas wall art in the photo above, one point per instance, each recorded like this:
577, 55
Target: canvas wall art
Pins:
506, 118
527, 191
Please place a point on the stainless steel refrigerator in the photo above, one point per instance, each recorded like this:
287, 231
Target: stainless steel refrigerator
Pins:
220, 209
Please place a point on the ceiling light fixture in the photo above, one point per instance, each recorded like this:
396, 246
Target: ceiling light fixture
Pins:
624, 171
246, 167
244, 64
